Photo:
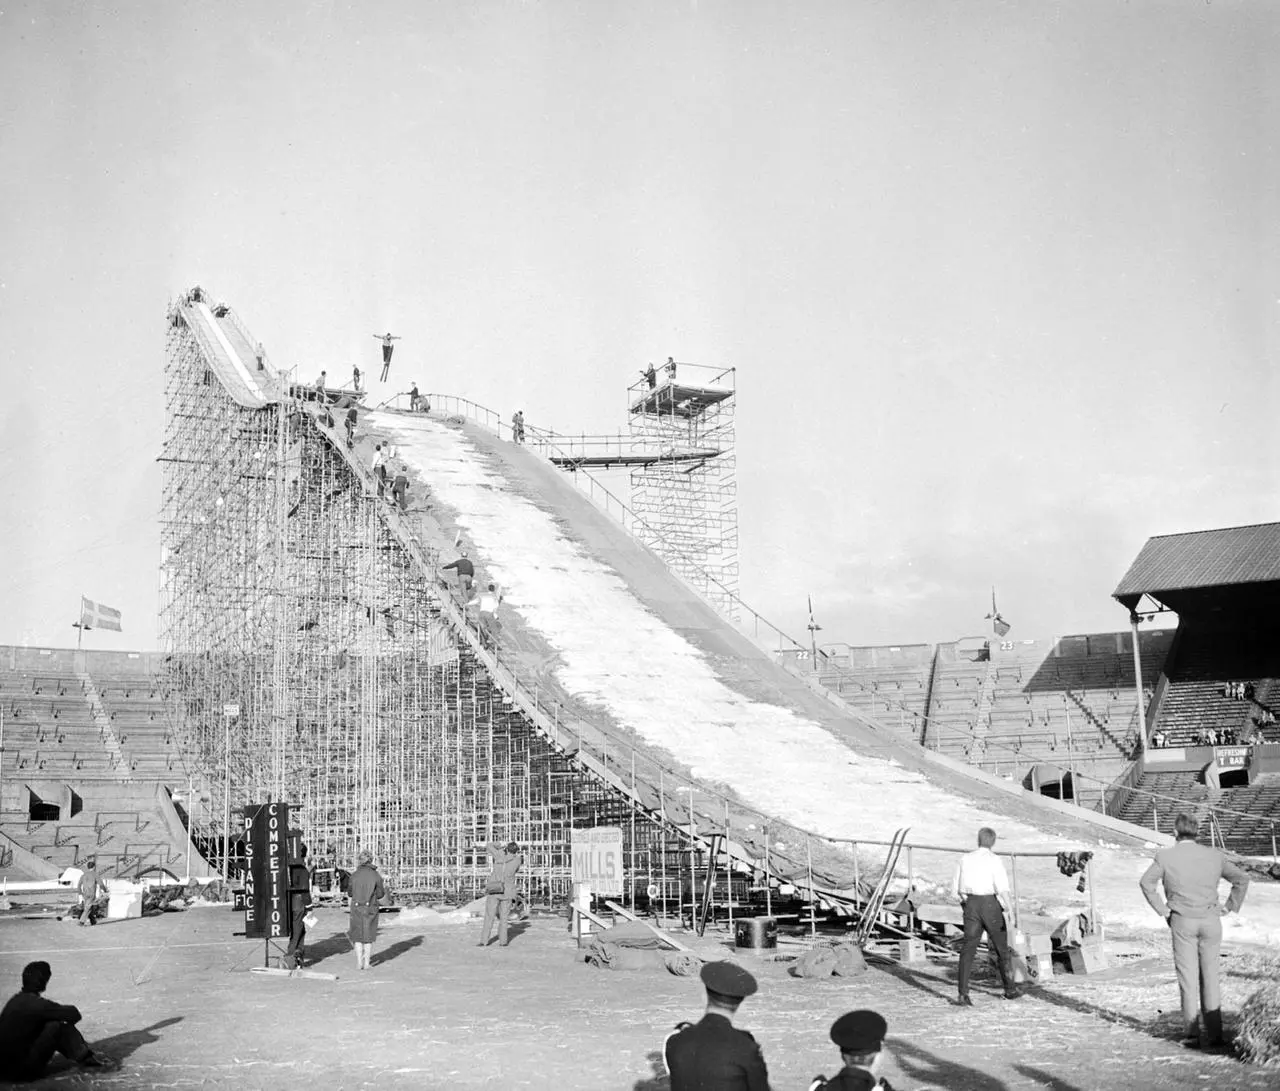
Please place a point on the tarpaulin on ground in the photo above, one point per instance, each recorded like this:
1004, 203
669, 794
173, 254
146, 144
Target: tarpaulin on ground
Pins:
611, 956
684, 963
632, 934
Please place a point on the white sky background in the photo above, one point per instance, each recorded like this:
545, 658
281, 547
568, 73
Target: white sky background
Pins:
1001, 281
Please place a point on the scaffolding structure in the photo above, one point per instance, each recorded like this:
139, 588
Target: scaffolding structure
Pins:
310, 661
686, 498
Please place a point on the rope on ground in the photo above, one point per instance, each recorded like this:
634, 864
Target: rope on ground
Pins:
142, 977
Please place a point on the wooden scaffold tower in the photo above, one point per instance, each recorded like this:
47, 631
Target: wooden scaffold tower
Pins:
684, 490
307, 652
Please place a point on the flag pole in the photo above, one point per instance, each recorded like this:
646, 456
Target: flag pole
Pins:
813, 637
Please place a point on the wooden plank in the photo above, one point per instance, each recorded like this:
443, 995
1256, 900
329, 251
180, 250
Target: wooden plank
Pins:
622, 911
272, 971
652, 927
593, 918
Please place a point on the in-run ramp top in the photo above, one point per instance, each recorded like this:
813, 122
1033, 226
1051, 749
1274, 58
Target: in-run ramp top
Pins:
230, 351
601, 619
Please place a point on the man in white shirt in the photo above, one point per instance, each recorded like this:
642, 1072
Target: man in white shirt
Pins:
983, 889
380, 467
488, 601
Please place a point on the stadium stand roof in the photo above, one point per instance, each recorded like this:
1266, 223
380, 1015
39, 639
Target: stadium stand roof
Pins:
1173, 567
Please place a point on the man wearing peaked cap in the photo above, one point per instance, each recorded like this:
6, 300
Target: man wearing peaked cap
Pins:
713, 1054
860, 1037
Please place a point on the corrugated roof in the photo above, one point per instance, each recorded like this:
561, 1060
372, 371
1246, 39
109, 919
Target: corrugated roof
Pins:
1204, 558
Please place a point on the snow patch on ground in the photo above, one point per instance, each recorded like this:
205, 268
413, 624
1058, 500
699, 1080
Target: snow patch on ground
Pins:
617, 654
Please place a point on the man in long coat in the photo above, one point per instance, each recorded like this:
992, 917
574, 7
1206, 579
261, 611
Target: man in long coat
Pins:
367, 892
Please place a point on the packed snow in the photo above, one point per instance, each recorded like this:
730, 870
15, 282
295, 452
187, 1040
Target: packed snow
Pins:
617, 654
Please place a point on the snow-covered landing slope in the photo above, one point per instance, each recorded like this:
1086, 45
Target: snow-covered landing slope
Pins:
630, 641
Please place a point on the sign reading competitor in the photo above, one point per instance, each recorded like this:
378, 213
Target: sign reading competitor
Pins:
266, 892
597, 858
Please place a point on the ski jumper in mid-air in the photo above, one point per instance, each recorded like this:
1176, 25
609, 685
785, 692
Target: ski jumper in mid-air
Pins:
388, 347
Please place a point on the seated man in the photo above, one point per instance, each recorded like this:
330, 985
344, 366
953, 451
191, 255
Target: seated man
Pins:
860, 1038
33, 1029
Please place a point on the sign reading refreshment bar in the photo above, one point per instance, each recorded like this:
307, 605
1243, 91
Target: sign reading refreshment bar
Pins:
597, 859
1231, 757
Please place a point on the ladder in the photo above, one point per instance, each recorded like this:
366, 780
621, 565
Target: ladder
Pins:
870, 911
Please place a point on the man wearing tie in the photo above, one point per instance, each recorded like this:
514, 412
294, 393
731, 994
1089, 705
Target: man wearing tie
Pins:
983, 889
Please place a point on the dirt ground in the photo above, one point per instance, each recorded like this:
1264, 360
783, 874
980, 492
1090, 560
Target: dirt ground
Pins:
171, 998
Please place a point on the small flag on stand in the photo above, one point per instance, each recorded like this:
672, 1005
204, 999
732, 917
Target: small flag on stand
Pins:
94, 615
998, 624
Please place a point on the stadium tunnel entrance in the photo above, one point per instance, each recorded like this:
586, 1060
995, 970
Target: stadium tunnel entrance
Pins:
1050, 780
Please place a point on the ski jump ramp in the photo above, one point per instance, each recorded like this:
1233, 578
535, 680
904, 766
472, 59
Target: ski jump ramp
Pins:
593, 616
621, 666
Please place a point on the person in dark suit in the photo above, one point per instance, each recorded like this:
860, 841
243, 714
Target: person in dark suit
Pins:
367, 893
713, 1054
860, 1037
33, 1029
1190, 873
299, 903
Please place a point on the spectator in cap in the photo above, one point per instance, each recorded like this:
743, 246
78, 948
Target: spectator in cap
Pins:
713, 1054
859, 1035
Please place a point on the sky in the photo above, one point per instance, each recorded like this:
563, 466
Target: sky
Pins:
1000, 281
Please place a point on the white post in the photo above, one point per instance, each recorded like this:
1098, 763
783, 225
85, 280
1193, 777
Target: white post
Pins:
1137, 682
728, 867
768, 886
226, 798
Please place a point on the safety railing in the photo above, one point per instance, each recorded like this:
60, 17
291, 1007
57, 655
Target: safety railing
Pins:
689, 807
276, 377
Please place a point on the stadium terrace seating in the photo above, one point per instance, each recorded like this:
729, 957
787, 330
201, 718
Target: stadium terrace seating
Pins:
1195, 693
1249, 817
1158, 799
99, 763
139, 714
1008, 705
1244, 818
1005, 705
889, 684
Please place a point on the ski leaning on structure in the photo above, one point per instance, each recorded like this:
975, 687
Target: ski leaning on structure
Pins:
871, 910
